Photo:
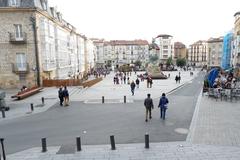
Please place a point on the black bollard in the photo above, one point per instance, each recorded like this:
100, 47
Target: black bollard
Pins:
3, 149
44, 145
79, 148
125, 99
32, 108
3, 113
43, 100
103, 100
112, 140
146, 141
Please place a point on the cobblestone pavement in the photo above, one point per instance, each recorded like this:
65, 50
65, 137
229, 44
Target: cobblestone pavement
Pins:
166, 151
217, 123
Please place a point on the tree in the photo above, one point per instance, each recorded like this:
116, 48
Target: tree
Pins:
138, 63
169, 61
153, 58
181, 62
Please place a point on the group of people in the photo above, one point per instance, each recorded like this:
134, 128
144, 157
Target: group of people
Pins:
149, 82
178, 78
123, 77
148, 103
225, 81
63, 96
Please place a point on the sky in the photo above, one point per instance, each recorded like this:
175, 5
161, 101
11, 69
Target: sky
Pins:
186, 20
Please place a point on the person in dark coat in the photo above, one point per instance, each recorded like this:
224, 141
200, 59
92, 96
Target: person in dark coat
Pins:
60, 96
176, 78
66, 96
124, 79
150, 82
137, 82
148, 103
132, 85
163, 106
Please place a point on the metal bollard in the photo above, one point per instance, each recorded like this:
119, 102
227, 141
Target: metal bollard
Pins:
146, 141
43, 100
125, 99
78, 140
3, 149
103, 100
32, 108
112, 140
44, 145
3, 113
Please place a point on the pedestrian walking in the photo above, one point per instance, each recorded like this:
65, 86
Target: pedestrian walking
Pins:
150, 82
179, 79
148, 103
137, 82
176, 79
60, 96
114, 80
66, 96
124, 79
133, 85
128, 80
163, 106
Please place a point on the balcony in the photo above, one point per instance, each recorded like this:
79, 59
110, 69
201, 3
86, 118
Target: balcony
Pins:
22, 39
20, 68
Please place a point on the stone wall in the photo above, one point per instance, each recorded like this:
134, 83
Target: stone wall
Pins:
8, 50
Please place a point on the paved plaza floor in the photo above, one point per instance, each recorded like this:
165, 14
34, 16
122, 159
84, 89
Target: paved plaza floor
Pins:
196, 128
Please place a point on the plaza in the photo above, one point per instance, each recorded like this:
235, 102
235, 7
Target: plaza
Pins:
194, 123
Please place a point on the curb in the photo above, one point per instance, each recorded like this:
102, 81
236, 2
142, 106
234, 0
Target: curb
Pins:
193, 124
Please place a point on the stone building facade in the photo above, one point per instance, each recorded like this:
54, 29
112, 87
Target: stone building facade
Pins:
214, 51
197, 54
116, 53
39, 45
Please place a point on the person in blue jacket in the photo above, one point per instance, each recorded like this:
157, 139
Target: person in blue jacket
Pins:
163, 105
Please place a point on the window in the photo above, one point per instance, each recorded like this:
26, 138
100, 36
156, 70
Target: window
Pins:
18, 31
14, 3
21, 61
165, 47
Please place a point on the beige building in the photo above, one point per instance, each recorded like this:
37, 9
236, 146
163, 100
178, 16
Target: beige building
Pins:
180, 50
214, 51
39, 45
236, 51
116, 53
197, 54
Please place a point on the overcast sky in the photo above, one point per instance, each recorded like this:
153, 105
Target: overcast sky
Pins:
186, 20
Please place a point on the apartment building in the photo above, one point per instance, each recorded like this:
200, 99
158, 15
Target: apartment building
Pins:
197, 54
236, 51
39, 45
180, 50
214, 51
166, 46
119, 52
